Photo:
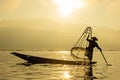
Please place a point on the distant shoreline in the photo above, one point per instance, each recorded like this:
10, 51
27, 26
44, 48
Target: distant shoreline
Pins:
43, 50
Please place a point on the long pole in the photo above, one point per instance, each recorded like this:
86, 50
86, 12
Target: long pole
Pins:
105, 60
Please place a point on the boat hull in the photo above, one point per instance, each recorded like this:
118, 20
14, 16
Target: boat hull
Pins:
39, 60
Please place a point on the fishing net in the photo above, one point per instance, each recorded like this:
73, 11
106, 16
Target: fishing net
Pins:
78, 51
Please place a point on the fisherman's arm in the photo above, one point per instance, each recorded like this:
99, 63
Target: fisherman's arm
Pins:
98, 47
88, 38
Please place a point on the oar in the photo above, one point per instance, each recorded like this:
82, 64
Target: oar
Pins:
105, 60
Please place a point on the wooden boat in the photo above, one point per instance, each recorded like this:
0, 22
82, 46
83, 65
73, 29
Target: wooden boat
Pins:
39, 60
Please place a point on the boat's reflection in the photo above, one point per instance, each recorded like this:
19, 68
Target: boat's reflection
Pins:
73, 72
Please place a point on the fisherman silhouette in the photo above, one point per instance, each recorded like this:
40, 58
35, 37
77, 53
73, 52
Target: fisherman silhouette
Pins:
91, 46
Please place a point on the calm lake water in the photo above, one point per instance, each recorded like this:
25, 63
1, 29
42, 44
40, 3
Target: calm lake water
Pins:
10, 68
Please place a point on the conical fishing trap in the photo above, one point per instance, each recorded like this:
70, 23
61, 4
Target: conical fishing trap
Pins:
78, 51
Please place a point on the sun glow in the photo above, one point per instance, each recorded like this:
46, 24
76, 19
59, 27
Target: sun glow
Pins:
67, 7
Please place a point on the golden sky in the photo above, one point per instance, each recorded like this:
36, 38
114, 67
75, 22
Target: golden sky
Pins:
57, 24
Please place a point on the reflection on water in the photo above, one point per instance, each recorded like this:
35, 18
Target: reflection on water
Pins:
84, 72
72, 72
10, 70
89, 73
51, 72
67, 75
